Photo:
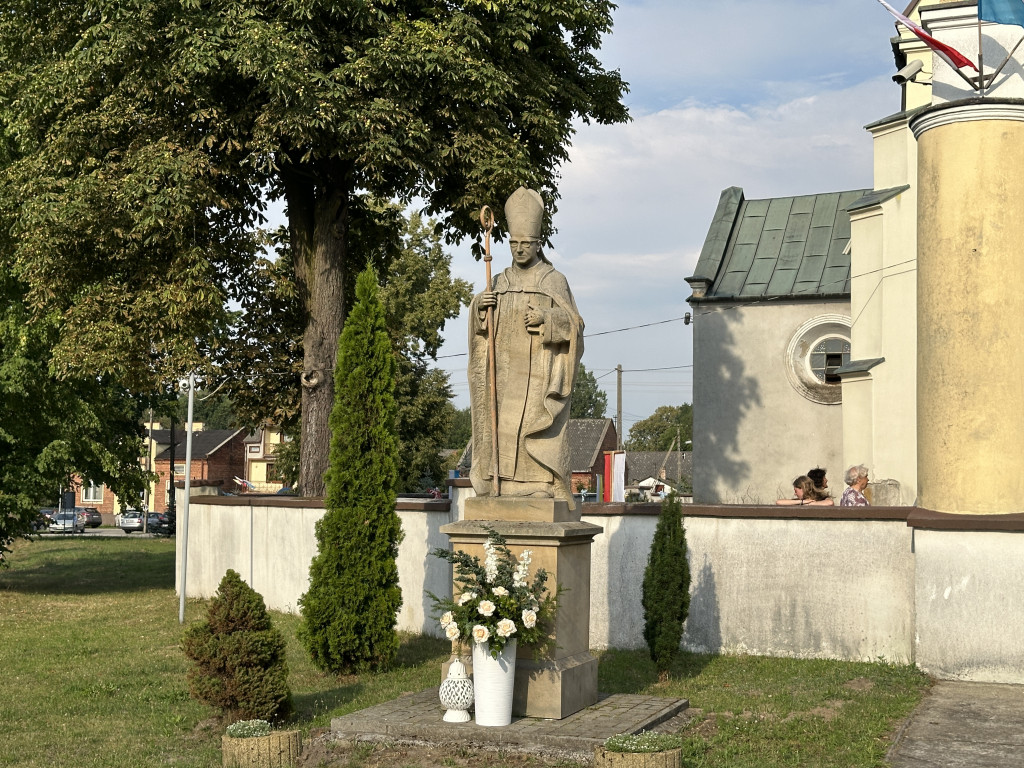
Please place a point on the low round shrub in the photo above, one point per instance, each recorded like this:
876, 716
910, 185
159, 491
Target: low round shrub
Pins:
239, 656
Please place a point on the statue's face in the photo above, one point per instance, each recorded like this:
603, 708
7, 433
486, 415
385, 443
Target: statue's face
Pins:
525, 250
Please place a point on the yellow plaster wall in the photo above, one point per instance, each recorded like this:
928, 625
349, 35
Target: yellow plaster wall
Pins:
971, 299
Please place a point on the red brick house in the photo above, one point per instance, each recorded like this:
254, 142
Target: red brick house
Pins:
218, 457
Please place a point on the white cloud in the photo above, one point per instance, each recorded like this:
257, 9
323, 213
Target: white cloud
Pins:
637, 200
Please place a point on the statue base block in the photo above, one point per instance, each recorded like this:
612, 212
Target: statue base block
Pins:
520, 508
554, 688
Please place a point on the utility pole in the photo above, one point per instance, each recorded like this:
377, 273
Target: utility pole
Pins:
618, 403
679, 460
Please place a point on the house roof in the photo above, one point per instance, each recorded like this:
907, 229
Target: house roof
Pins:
204, 444
585, 437
792, 247
641, 465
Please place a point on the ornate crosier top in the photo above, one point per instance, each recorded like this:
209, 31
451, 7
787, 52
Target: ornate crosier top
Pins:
496, 600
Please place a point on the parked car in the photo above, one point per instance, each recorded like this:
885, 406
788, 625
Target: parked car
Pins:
68, 522
49, 513
92, 516
43, 519
130, 520
160, 524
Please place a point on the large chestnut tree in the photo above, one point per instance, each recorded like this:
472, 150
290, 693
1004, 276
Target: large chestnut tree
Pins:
142, 138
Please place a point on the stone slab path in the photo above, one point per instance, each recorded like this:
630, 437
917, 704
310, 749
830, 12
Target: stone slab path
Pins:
417, 718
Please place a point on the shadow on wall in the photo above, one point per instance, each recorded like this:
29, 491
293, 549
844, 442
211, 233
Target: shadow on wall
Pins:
703, 625
729, 394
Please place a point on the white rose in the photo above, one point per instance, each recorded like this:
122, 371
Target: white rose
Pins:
447, 619
486, 608
529, 618
481, 634
452, 631
506, 627
500, 591
466, 597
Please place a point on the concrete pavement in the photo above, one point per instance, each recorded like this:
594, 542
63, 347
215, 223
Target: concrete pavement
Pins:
964, 725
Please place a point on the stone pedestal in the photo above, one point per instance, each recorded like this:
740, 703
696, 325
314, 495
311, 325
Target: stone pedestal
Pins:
562, 680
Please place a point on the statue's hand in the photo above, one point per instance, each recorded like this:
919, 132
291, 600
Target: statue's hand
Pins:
486, 300
533, 316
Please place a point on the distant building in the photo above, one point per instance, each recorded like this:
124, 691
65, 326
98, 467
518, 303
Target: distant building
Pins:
771, 329
260, 460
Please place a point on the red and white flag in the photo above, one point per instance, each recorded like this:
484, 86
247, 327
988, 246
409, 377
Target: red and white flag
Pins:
949, 54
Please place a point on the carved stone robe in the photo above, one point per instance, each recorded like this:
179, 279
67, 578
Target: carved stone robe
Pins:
536, 368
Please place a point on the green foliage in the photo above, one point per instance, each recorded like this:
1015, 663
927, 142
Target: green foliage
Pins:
666, 586
140, 142
262, 356
658, 431
248, 729
54, 428
645, 741
461, 429
213, 412
588, 400
350, 610
239, 656
419, 295
286, 458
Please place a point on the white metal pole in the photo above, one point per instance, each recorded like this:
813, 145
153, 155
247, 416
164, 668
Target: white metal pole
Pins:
188, 490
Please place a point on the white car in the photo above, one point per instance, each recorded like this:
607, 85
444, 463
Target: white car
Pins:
67, 522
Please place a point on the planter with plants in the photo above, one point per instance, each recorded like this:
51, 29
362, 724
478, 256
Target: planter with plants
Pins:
252, 744
646, 749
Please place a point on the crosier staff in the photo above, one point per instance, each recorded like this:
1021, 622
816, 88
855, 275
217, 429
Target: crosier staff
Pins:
487, 222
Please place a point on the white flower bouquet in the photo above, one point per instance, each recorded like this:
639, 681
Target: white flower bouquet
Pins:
496, 601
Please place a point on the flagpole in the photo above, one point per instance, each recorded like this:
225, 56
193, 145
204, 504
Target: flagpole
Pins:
981, 62
1009, 56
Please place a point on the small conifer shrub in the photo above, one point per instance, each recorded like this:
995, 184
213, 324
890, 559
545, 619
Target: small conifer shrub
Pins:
350, 610
666, 587
239, 656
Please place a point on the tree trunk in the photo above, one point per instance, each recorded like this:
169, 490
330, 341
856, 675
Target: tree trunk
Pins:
317, 220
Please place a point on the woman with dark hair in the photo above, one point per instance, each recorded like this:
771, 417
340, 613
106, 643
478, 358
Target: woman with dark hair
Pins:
805, 494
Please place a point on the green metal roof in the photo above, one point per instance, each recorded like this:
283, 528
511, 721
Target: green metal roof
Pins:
779, 247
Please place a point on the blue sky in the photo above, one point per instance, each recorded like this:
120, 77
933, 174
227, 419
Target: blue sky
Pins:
768, 96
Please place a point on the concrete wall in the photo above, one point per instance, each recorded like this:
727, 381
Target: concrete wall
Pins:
970, 620
271, 543
753, 432
818, 583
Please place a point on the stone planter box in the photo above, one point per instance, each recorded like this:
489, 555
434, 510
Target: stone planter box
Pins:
669, 759
280, 749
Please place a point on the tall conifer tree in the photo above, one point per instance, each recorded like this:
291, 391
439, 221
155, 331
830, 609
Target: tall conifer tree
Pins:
350, 610
666, 587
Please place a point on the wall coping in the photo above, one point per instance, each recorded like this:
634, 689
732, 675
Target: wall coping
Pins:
293, 502
945, 521
914, 517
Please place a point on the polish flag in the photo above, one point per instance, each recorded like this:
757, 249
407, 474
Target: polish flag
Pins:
949, 54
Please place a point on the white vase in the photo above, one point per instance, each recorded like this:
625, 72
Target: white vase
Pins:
492, 683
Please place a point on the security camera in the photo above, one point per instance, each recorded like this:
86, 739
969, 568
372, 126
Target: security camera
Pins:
908, 73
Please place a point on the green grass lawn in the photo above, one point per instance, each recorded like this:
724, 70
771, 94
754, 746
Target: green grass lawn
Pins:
93, 676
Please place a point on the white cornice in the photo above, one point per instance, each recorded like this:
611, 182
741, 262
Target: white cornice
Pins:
965, 113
